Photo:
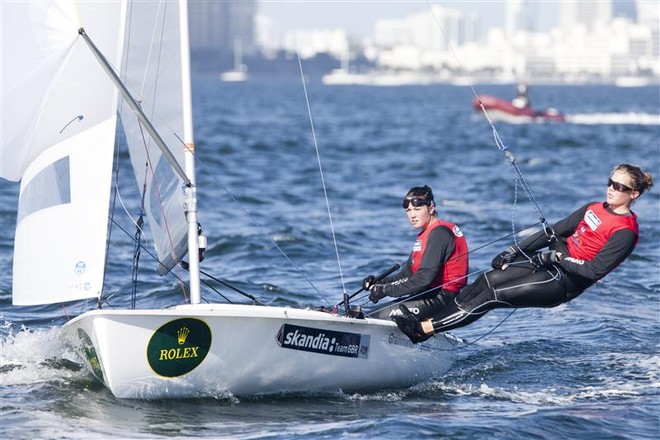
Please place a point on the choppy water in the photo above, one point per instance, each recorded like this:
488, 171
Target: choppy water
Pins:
587, 369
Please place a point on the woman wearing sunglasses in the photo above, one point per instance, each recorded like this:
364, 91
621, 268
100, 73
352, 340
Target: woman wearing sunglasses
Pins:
582, 248
437, 266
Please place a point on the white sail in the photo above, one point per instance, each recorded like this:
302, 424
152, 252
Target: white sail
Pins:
151, 70
58, 130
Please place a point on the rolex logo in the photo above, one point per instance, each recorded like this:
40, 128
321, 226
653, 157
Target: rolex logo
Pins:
182, 335
178, 347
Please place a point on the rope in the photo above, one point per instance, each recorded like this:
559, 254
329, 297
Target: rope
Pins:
206, 283
136, 258
115, 196
137, 242
467, 344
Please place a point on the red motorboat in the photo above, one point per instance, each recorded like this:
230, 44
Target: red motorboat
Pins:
503, 110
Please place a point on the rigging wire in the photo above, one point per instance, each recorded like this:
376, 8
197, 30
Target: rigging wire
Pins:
138, 237
272, 241
202, 166
116, 196
261, 229
155, 258
318, 158
496, 136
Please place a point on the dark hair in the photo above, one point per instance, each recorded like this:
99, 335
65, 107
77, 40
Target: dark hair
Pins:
641, 180
423, 192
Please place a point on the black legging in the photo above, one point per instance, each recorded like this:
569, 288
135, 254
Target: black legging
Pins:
423, 308
520, 285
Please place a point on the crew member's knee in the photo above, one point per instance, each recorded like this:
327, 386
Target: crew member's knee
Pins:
475, 295
425, 308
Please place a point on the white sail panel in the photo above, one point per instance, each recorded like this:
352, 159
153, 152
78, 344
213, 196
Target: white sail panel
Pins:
58, 127
151, 69
60, 244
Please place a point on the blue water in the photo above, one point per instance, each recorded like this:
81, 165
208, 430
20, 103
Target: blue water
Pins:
586, 369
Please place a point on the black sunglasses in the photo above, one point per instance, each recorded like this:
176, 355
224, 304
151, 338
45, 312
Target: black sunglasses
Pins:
416, 202
618, 186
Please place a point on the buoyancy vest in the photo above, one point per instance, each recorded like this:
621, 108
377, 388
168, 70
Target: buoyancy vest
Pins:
595, 228
452, 274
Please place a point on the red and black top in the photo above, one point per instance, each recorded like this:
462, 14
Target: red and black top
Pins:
597, 239
439, 259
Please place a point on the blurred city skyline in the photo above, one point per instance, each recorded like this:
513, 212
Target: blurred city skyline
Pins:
569, 40
358, 18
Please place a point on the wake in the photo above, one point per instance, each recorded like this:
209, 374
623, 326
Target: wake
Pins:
33, 357
614, 119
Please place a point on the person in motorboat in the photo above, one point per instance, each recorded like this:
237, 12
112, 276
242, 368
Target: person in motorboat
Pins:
521, 100
437, 266
581, 249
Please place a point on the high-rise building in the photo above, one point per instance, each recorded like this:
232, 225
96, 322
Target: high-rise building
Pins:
435, 29
648, 12
218, 25
587, 13
521, 15
625, 9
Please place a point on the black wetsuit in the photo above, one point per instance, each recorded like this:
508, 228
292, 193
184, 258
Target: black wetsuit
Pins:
522, 284
440, 245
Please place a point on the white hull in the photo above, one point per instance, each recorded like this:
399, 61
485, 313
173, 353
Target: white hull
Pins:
234, 76
632, 81
343, 78
500, 116
218, 350
382, 79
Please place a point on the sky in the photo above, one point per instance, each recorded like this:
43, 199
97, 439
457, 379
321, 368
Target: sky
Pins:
357, 17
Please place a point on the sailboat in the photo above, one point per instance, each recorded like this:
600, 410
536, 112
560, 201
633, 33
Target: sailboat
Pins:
342, 75
239, 72
80, 72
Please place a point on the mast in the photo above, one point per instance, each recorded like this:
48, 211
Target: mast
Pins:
189, 157
238, 55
